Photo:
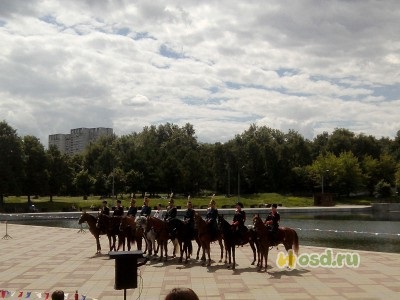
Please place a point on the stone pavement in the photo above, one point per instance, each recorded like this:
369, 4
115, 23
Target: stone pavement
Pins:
38, 260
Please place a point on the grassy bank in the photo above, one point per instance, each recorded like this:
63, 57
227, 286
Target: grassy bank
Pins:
43, 204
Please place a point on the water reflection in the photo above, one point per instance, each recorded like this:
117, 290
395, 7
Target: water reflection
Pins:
358, 232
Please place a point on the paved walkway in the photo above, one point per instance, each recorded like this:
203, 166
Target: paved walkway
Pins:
39, 260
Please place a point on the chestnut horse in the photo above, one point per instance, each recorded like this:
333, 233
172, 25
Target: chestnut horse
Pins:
232, 239
148, 234
91, 221
205, 238
131, 231
162, 235
286, 236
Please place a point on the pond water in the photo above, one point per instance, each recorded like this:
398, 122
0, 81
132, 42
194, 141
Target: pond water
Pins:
357, 232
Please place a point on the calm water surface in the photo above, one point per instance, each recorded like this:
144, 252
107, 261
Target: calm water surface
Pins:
357, 232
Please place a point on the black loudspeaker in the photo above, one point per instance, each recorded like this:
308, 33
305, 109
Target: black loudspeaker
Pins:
126, 264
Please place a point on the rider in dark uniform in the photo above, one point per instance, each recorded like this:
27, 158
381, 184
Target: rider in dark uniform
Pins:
119, 210
105, 210
132, 209
211, 218
272, 222
146, 209
170, 218
238, 222
188, 218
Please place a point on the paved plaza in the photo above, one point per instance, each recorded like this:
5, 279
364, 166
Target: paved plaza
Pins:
38, 260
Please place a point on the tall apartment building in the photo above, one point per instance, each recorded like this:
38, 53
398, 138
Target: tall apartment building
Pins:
77, 140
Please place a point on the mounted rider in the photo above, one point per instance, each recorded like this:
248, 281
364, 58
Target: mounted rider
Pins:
211, 218
146, 209
238, 221
119, 210
132, 209
105, 210
188, 218
272, 222
170, 218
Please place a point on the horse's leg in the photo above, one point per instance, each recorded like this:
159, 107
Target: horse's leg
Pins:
166, 250
180, 250
148, 244
253, 248
97, 237
198, 248
109, 241
233, 257
203, 256
221, 245
209, 255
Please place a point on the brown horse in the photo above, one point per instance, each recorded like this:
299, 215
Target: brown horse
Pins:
131, 231
162, 236
206, 237
286, 236
232, 239
91, 221
110, 225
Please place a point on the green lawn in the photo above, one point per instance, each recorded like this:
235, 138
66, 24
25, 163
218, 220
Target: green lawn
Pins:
19, 204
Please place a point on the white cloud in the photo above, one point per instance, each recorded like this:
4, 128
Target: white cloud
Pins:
221, 66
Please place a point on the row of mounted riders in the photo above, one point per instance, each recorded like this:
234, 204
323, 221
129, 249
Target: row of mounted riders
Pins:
157, 233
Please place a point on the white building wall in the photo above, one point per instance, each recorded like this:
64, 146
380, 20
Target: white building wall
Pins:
78, 139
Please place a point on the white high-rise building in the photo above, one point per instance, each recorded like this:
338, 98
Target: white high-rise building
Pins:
76, 141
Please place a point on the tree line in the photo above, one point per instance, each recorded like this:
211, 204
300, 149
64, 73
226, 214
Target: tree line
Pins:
169, 158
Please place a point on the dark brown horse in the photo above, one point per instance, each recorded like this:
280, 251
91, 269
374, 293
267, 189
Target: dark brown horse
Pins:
131, 231
286, 236
184, 234
206, 237
232, 239
110, 225
91, 221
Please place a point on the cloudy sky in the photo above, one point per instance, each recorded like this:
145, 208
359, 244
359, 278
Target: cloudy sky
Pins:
220, 65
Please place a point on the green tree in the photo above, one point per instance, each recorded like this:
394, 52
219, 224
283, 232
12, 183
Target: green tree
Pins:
60, 174
84, 183
11, 167
36, 163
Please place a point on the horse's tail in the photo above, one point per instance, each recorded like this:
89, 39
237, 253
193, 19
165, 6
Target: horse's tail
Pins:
295, 242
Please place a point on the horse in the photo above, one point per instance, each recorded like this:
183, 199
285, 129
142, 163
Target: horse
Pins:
148, 234
131, 231
91, 221
110, 225
184, 234
286, 236
232, 239
162, 236
206, 237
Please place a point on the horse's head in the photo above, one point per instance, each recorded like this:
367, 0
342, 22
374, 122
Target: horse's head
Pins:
197, 218
141, 221
82, 219
257, 221
220, 219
